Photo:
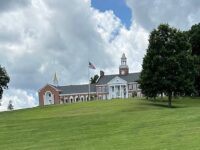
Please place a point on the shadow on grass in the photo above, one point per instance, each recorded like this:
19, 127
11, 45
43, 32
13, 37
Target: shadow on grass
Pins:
146, 105
163, 105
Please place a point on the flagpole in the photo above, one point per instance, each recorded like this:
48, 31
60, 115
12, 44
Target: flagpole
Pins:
89, 82
90, 66
88, 78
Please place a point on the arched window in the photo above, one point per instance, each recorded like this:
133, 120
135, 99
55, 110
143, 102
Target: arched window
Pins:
48, 98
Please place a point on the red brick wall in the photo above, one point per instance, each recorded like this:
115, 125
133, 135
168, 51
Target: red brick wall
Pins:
126, 70
42, 92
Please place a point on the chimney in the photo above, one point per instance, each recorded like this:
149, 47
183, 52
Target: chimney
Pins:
101, 73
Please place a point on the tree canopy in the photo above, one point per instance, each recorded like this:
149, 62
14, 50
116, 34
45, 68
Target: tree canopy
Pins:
4, 80
168, 66
194, 36
10, 105
94, 79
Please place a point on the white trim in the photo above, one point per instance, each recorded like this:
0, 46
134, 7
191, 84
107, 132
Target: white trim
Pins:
77, 94
102, 85
117, 83
132, 82
50, 86
46, 102
102, 92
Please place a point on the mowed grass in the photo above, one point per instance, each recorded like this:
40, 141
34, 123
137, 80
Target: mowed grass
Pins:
130, 124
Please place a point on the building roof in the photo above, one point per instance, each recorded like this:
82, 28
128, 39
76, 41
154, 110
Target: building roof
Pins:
71, 89
131, 77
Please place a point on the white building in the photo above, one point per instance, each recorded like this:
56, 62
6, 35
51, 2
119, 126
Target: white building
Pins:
122, 85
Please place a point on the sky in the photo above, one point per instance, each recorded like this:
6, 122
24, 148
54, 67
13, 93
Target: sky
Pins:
119, 8
41, 37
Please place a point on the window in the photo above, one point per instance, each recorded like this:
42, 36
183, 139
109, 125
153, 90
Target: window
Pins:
112, 88
103, 89
106, 89
135, 87
49, 94
138, 86
99, 89
130, 86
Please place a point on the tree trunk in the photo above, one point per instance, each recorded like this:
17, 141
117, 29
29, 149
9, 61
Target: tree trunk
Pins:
170, 100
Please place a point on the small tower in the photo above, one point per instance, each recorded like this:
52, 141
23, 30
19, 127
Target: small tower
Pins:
55, 80
123, 68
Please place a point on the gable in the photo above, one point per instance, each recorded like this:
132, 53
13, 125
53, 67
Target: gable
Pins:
131, 77
48, 86
117, 80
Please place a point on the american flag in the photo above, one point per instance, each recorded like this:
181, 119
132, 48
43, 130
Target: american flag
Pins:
91, 66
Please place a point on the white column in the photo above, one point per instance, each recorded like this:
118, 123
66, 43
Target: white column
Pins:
121, 87
74, 99
127, 91
114, 92
120, 92
109, 92
44, 99
123, 91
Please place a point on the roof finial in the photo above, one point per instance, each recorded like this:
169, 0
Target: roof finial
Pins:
123, 56
55, 80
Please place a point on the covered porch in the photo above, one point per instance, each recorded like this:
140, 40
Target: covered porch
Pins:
117, 88
118, 91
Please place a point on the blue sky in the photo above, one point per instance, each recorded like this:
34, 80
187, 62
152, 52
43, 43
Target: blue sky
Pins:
119, 7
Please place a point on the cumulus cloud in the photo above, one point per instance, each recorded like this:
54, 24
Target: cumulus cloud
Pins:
10, 5
50, 36
20, 99
118, 39
179, 13
47, 37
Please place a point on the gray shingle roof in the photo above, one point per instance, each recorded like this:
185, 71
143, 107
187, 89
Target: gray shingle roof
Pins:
70, 89
131, 77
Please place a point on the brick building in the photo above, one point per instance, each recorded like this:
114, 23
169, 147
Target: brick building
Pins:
122, 85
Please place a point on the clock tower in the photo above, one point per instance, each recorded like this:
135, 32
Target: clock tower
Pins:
123, 68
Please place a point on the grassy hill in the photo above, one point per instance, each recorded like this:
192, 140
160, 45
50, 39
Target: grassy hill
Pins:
104, 125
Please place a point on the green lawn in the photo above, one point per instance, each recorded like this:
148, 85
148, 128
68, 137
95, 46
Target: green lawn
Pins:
104, 125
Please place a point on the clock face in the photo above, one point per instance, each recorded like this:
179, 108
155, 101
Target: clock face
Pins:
122, 72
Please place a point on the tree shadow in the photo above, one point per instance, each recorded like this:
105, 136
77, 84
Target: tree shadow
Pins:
164, 105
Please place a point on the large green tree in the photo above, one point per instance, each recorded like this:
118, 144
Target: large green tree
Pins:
4, 80
94, 79
194, 36
168, 66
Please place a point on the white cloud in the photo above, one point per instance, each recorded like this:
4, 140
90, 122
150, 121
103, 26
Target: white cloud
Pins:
150, 13
20, 99
107, 24
134, 43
